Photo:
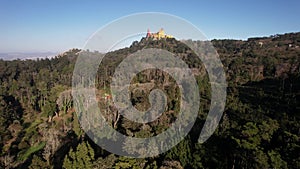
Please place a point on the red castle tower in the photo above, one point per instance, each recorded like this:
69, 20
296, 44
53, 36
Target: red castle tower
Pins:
148, 33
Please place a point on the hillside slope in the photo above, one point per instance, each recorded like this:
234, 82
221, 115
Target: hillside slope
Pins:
259, 128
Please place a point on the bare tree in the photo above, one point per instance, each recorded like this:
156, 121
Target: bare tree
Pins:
7, 161
52, 143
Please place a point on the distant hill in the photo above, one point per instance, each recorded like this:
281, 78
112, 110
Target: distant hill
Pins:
26, 55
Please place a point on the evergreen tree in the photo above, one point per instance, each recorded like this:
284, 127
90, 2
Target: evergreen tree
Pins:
82, 157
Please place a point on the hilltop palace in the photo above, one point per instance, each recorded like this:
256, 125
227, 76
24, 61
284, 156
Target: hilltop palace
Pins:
159, 35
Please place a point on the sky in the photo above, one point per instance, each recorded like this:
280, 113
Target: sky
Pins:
59, 25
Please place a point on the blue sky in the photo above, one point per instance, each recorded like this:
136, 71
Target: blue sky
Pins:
58, 25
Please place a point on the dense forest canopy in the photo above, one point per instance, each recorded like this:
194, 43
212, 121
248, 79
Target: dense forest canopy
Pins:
259, 128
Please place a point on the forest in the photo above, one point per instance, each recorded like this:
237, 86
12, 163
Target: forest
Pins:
260, 126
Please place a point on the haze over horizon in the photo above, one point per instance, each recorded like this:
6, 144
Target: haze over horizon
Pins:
57, 26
